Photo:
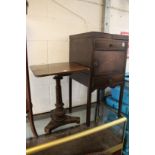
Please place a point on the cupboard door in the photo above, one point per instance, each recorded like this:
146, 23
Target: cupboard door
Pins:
109, 62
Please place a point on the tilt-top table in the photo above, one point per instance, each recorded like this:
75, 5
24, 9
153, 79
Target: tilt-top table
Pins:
59, 70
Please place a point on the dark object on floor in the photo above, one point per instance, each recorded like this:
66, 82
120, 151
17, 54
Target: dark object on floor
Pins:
106, 55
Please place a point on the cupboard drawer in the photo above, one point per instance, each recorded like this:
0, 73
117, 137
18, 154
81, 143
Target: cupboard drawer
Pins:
109, 44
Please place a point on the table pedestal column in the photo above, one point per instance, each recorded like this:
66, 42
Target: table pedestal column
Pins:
58, 116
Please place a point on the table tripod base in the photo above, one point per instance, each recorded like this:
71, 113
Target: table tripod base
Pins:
54, 124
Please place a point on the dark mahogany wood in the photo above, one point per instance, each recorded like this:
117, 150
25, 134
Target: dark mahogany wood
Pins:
70, 94
120, 99
97, 104
119, 152
58, 116
64, 68
105, 54
59, 69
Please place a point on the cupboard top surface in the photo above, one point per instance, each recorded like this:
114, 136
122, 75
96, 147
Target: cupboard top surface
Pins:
99, 34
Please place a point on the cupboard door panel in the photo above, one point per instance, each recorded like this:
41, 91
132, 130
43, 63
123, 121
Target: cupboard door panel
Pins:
107, 62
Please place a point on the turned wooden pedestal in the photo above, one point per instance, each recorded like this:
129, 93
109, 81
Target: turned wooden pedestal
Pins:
58, 117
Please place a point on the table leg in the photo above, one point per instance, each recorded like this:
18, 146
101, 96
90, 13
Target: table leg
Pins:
120, 99
88, 114
97, 104
70, 94
58, 116
30, 117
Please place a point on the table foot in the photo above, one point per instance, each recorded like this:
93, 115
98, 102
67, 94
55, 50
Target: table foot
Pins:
54, 123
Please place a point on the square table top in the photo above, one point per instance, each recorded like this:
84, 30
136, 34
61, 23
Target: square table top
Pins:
64, 68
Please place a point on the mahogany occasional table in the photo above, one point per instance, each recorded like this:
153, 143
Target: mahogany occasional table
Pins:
58, 117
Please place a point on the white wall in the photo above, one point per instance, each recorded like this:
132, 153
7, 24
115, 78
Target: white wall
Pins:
49, 24
117, 18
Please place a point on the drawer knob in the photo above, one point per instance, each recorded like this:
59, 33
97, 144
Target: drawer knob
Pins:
110, 45
123, 44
